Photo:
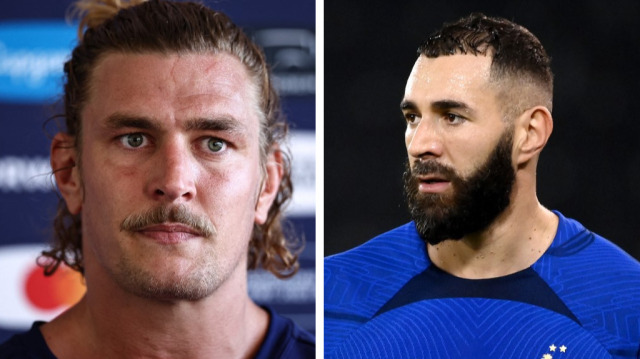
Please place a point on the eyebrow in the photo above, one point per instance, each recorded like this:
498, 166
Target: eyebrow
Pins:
445, 105
439, 106
219, 124
408, 105
120, 120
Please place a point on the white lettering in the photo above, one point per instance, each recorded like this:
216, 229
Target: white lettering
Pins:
31, 68
295, 84
265, 287
25, 174
303, 152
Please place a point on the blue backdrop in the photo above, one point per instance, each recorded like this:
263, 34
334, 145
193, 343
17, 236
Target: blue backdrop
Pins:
35, 40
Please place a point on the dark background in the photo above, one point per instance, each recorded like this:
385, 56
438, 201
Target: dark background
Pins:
590, 168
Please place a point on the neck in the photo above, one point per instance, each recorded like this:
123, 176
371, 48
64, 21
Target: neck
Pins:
514, 241
109, 322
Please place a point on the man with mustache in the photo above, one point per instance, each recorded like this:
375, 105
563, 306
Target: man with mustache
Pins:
484, 270
173, 175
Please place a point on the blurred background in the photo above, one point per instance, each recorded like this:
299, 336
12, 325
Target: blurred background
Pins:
589, 170
35, 41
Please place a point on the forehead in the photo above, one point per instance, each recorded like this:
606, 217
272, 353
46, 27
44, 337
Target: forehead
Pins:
457, 77
171, 86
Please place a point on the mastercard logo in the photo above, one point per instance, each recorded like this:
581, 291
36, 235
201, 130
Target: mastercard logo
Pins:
27, 295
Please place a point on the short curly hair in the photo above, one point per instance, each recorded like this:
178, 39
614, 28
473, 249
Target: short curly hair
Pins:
160, 26
518, 57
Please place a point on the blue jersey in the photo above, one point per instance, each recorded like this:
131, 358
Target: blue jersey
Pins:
385, 299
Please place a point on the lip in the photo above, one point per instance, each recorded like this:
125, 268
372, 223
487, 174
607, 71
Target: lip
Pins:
433, 184
170, 233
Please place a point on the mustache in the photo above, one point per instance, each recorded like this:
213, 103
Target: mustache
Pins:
421, 168
164, 214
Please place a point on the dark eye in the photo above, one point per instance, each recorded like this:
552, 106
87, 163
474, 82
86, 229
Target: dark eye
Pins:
216, 144
453, 119
411, 118
133, 140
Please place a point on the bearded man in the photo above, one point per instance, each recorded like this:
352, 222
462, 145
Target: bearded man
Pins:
483, 270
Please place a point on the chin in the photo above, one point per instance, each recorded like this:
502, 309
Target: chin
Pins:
169, 282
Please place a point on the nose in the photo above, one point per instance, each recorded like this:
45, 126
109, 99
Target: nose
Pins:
172, 176
424, 140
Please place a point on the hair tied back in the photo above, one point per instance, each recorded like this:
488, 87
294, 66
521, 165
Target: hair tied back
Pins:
93, 13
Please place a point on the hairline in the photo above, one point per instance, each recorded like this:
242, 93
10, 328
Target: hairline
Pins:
502, 82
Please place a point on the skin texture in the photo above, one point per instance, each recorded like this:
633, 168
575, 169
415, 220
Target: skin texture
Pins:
455, 118
166, 131
460, 137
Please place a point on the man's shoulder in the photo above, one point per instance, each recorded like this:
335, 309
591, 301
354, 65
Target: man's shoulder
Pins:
597, 281
358, 282
28, 345
285, 339
574, 244
396, 253
581, 260
399, 244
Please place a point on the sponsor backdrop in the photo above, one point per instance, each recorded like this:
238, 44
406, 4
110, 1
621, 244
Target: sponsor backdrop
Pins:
35, 40
589, 170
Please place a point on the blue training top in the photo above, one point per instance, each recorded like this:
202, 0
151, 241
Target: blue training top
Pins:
385, 299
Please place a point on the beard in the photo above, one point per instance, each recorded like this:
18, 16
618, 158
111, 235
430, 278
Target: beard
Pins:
475, 201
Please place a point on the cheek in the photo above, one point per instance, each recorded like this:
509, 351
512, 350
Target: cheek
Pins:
230, 205
230, 196
110, 191
408, 136
104, 178
471, 153
412, 161
100, 218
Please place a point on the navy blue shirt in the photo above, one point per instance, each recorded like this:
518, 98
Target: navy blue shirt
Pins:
284, 340
385, 299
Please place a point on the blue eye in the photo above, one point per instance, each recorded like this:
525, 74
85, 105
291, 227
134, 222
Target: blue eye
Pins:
133, 140
216, 144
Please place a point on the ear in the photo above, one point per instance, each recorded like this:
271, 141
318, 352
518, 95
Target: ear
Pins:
536, 125
65, 169
270, 184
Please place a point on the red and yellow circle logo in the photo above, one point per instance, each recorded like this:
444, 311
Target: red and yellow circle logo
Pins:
63, 289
